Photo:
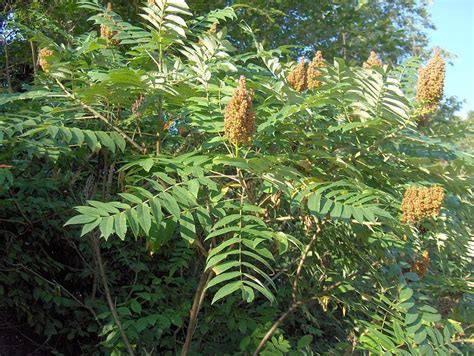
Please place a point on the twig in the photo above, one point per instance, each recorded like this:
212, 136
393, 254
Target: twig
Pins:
45, 345
113, 309
303, 258
295, 305
20, 210
99, 116
197, 303
159, 126
300, 265
7, 64
56, 284
33, 57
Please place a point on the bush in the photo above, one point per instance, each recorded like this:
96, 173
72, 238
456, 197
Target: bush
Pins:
211, 208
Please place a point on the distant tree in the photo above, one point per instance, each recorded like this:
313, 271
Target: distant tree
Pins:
470, 116
348, 29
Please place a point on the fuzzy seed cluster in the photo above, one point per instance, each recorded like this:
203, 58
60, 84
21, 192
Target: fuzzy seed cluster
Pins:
137, 104
420, 266
298, 77
239, 119
372, 61
448, 302
43, 55
308, 223
213, 28
419, 203
105, 32
314, 70
430, 86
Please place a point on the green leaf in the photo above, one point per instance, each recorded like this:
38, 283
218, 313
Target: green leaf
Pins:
141, 324
132, 218
248, 295
314, 203
258, 258
326, 207
124, 311
120, 224
136, 306
223, 277
261, 289
119, 141
405, 294
104, 208
357, 213
226, 290
90, 226
80, 219
171, 204
226, 220
89, 210
78, 135
107, 226
398, 332
347, 212
225, 266
304, 341
146, 164
131, 198
144, 217
411, 316
105, 140
431, 317
223, 245
91, 139
193, 186
382, 339
428, 309
420, 335
414, 327
219, 257
156, 209
231, 161
222, 231
337, 210
187, 227
412, 276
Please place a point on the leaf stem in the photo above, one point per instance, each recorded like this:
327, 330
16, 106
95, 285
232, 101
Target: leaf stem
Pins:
99, 116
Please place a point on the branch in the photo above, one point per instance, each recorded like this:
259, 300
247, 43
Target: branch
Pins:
7, 65
20, 210
300, 266
197, 303
99, 116
56, 284
33, 58
113, 309
295, 305
303, 258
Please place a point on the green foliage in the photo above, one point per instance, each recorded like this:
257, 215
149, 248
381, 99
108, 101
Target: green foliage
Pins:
343, 29
118, 151
405, 326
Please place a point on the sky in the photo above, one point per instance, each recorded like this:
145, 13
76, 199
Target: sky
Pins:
454, 21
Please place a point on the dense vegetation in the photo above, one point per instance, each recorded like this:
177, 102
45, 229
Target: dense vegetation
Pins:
176, 183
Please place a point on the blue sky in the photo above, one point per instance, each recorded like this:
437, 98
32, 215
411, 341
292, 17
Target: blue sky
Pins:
454, 20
